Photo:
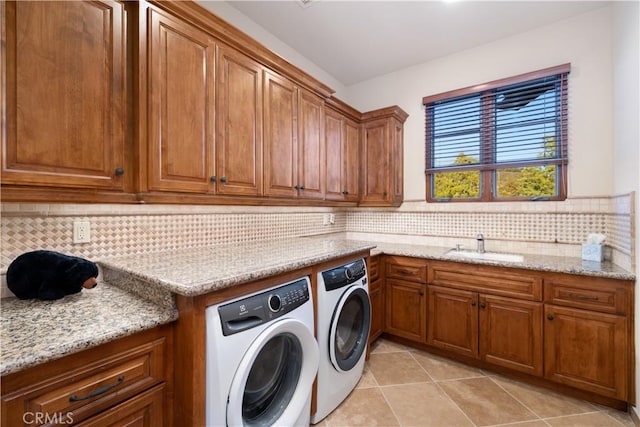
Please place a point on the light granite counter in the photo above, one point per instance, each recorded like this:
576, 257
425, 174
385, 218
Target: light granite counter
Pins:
33, 331
530, 262
202, 270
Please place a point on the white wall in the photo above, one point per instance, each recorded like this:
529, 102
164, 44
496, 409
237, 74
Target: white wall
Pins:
626, 125
239, 20
584, 41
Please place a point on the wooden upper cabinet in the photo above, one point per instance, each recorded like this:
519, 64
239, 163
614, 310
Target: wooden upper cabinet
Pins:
280, 136
342, 151
64, 95
293, 140
382, 152
311, 146
181, 105
239, 111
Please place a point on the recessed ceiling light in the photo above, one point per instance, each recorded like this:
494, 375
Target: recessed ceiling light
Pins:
305, 3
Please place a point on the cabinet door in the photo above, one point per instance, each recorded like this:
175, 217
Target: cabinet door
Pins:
64, 94
181, 111
280, 137
376, 295
511, 333
586, 350
335, 155
376, 152
351, 163
406, 308
311, 162
453, 320
239, 142
145, 409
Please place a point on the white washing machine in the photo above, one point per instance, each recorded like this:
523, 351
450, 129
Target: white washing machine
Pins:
343, 321
262, 358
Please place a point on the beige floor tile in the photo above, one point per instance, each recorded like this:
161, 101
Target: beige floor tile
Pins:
543, 402
486, 403
534, 423
623, 418
367, 380
384, 346
424, 404
396, 368
440, 368
363, 407
597, 419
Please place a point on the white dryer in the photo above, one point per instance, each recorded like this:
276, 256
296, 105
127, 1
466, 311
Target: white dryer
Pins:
343, 319
261, 358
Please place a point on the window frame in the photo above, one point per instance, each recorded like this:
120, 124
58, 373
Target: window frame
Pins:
488, 170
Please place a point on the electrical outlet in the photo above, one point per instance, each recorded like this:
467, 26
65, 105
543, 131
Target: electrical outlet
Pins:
332, 219
325, 219
81, 231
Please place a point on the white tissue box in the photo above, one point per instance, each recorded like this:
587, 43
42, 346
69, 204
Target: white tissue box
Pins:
592, 252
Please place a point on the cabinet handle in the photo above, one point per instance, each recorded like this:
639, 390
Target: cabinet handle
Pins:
213, 178
119, 171
223, 180
345, 192
584, 297
483, 305
550, 316
98, 391
473, 303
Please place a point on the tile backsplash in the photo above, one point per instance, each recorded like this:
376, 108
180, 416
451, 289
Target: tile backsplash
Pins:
549, 227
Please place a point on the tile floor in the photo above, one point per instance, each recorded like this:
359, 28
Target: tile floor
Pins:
407, 387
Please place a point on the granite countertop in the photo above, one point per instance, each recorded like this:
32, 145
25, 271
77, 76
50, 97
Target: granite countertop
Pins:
33, 331
202, 270
531, 262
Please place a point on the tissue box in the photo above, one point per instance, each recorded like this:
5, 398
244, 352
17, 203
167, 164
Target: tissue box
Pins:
592, 252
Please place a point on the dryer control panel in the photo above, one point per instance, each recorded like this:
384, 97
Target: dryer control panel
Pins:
254, 310
344, 275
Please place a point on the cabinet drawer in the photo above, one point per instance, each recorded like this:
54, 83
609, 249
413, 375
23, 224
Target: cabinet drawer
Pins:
91, 382
495, 281
374, 268
601, 295
411, 269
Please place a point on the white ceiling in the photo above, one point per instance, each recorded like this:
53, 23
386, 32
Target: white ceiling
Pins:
358, 40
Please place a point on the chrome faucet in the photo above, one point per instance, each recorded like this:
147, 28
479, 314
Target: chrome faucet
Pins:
480, 240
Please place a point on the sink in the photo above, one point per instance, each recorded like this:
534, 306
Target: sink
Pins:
489, 256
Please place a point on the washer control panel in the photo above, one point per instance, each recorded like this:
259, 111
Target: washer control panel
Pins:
254, 310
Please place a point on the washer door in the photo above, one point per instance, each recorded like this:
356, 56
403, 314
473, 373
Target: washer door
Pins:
273, 382
350, 328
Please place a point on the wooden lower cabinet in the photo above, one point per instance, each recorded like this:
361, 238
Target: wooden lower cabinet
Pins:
453, 320
587, 350
406, 309
376, 295
124, 382
144, 410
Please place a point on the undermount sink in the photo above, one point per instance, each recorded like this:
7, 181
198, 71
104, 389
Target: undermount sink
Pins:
489, 256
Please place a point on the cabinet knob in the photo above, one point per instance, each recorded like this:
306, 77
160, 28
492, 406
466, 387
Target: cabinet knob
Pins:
345, 193
302, 187
421, 293
223, 180
384, 194
550, 316
483, 305
473, 303
213, 178
119, 171
297, 187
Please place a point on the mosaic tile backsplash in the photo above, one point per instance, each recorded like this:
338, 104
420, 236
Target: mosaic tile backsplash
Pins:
132, 229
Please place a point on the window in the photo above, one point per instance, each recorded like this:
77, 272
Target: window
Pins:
504, 140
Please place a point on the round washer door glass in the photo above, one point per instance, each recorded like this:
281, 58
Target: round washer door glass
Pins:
350, 329
272, 380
